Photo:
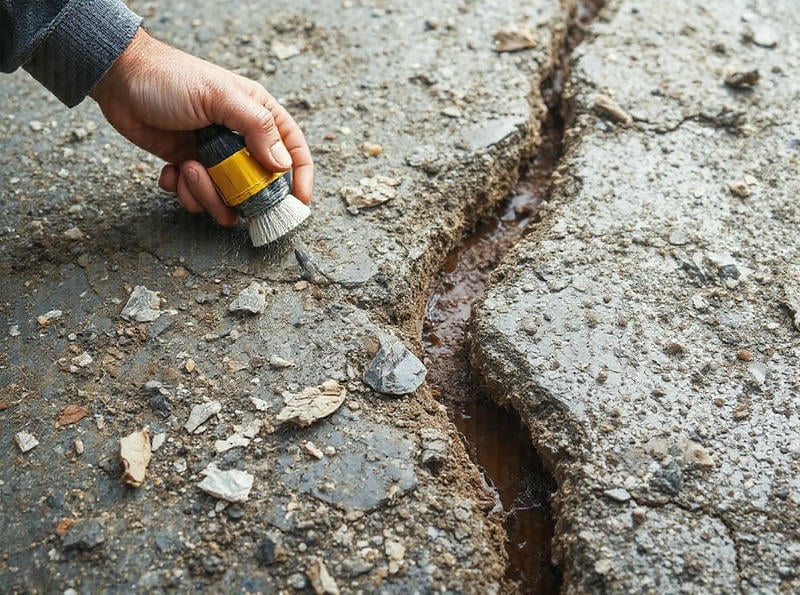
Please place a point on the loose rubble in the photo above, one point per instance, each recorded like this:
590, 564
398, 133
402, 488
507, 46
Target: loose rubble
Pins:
200, 414
313, 403
394, 370
232, 485
143, 305
135, 454
250, 301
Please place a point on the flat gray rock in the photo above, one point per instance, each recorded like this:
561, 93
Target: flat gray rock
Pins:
394, 370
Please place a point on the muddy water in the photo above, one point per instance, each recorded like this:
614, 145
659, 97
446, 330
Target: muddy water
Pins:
495, 438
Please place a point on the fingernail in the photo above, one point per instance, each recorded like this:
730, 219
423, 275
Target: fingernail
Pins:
192, 174
281, 155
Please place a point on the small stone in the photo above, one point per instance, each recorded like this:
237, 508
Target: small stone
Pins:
47, 318
143, 305
84, 535
13, 330
158, 441
233, 441
761, 35
201, 413
321, 580
742, 79
744, 355
79, 447
739, 188
74, 233
451, 111
135, 454
514, 39
394, 550
370, 192
284, 51
678, 237
180, 465
250, 301
25, 441
259, 404
394, 370
297, 581
617, 494
695, 454
758, 372
36, 125
312, 449
741, 412
232, 485
329, 451
265, 552
71, 414
82, 360
277, 362
434, 446
301, 285
372, 149
610, 109
190, 365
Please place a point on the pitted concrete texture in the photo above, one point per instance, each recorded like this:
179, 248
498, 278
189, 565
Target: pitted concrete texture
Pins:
646, 328
82, 224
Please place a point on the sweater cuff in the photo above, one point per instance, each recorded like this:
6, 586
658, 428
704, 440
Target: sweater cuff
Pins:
81, 46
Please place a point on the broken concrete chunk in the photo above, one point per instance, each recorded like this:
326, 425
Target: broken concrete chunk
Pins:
434, 446
514, 39
370, 192
143, 305
232, 485
321, 580
233, 441
25, 441
84, 535
200, 414
394, 370
135, 454
277, 362
695, 454
610, 109
250, 301
313, 403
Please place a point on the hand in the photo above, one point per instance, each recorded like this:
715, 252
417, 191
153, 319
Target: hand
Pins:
156, 96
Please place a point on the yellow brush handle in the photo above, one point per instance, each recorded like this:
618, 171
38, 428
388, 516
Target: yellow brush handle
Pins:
240, 176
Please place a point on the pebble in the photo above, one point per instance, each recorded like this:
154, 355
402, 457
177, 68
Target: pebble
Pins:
74, 233
277, 362
25, 441
84, 535
284, 51
201, 413
297, 581
233, 441
695, 454
158, 441
82, 360
451, 111
250, 301
321, 580
13, 330
678, 237
739, 188
312, 449
79, 447
48, 317
312, 403
372, 149
608, 108
232, 485
143, 305
617, 494
259, 404
434, 446
36, 125
394, 370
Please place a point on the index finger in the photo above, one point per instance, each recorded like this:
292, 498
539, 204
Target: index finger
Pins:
295, 141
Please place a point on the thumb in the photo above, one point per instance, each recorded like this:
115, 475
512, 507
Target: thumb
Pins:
256, 123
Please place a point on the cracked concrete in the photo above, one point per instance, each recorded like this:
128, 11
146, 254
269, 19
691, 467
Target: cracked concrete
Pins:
642, 328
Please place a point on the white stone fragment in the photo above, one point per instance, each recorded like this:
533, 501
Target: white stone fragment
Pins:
232, 485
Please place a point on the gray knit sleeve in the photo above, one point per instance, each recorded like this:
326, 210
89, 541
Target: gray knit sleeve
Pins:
66, 45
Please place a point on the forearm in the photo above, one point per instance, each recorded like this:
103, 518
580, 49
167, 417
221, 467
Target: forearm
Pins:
67, 46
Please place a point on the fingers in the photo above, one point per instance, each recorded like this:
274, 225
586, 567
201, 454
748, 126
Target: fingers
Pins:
196, 191
302, 164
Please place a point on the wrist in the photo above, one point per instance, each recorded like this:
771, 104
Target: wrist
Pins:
116, 80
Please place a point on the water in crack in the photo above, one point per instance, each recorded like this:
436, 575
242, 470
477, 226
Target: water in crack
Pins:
496, 438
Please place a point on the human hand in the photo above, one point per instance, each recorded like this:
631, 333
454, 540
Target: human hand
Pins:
156, 96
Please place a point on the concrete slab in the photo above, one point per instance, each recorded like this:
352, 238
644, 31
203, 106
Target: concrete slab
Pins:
644, 330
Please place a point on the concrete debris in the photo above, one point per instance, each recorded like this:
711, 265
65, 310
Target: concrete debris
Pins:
617, 494
370, 192
284, 51
82, 360
84, 535
200, 414
610, 109
233, 441
739, 188
135, 454
143, 305
742, 79
71, 414
321, 580
158, 441
434, 446
514, 39
277, 362
250, 301
394, 370
25, 441
48, 317
695, 454
232, 485
313, 403
312, 449
259, 404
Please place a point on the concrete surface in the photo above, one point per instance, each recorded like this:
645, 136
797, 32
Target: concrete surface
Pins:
82, 224
646, 329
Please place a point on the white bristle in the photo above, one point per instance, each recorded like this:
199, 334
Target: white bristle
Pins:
277, 221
